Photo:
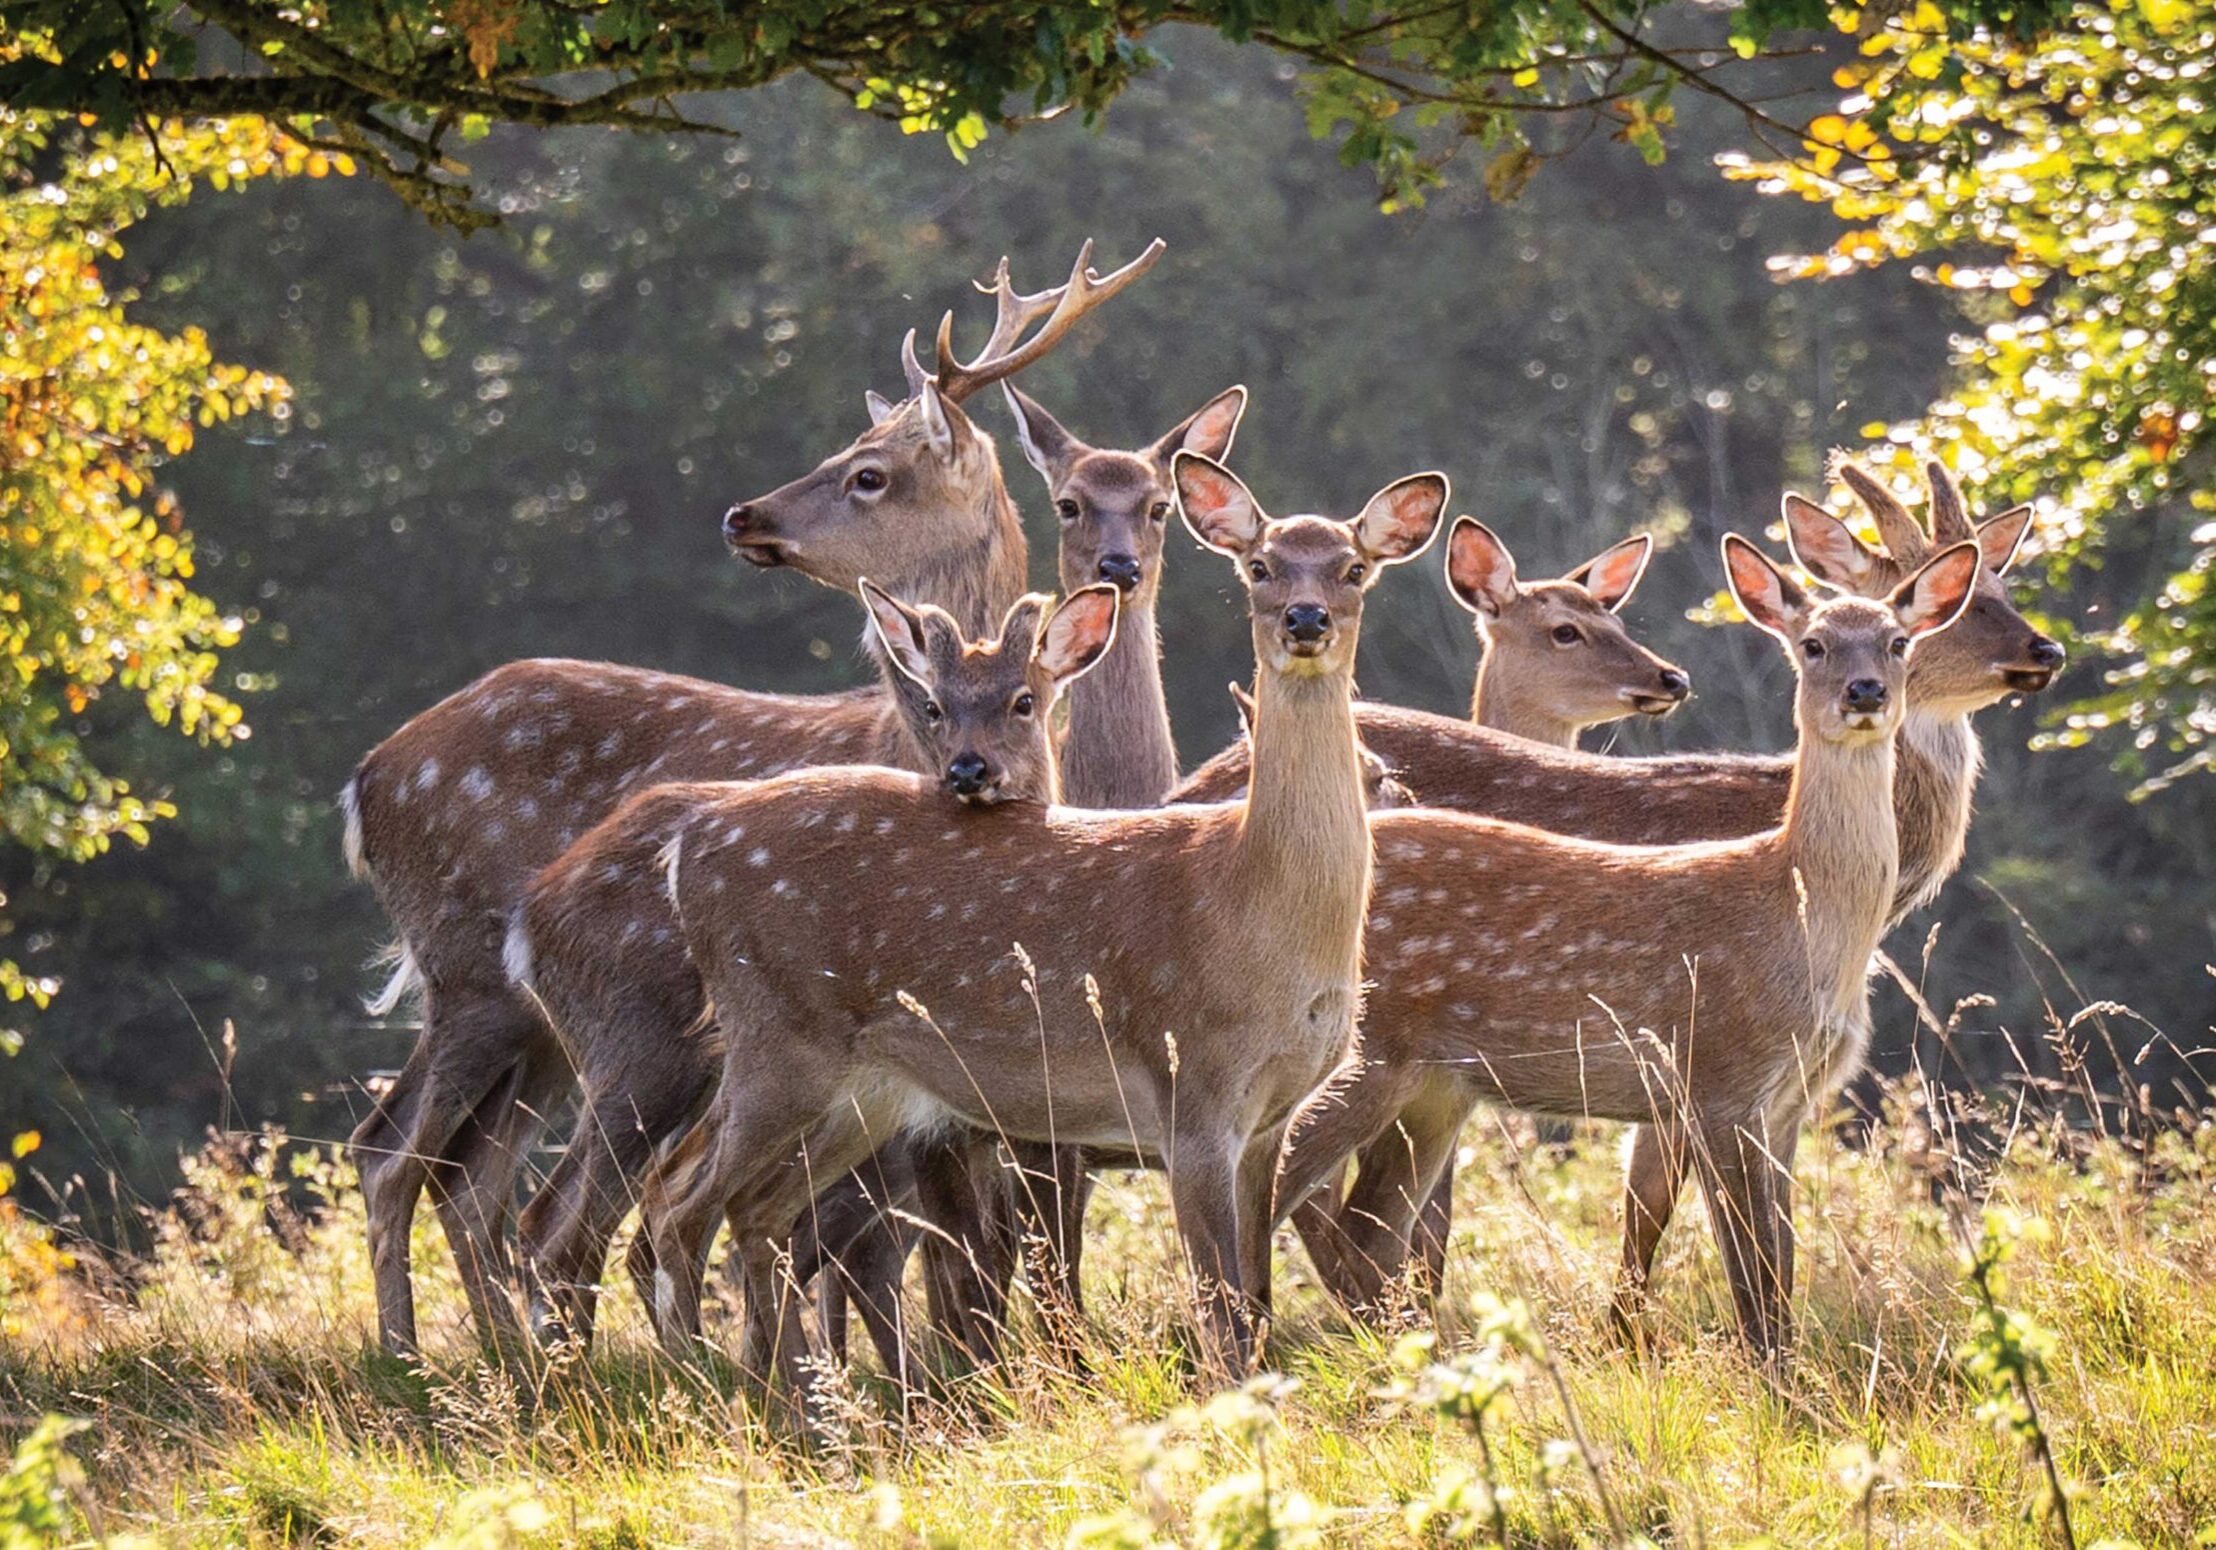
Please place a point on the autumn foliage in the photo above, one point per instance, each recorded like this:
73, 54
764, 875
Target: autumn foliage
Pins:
97, 606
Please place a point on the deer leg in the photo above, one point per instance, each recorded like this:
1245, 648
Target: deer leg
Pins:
1259, 1168
1204, 1193
566, 1229
1397, 1181
1654, 1176
1434, 1226
1744, 1205
392, 1178
464, 1064
474, 1186
1357, 1114
1051, 1188
965, 1269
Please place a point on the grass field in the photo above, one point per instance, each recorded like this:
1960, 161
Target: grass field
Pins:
229, 1392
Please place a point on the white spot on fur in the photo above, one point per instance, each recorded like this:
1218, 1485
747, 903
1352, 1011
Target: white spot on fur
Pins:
476, 784
759, 856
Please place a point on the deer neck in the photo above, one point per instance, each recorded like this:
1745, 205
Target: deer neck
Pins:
1840, 841
1520, 709
976, 578
1303, 850
1119, 752
1934, 777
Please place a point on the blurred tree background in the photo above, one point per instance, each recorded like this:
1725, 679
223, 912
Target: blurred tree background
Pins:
519, 443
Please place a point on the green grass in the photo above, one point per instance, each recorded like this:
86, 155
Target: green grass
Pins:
234, 1396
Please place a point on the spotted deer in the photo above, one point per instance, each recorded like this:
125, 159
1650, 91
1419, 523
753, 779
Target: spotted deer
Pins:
1186, 976
1989, 654
596, 944
1717, 991
451, 816
1557, 657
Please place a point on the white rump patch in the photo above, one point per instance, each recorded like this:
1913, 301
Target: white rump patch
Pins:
515, 953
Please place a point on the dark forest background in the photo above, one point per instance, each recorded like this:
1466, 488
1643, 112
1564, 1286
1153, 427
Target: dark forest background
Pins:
520, 443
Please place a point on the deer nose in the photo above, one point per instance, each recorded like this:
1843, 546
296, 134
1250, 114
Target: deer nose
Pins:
736, 521
965, 774
1122, 569
1865, 695
2047, 653
1307, 623
1676, 683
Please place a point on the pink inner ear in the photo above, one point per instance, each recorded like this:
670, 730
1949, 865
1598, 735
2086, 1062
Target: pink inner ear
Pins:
1206, 489
1213, 429
1476, 563
1613, 573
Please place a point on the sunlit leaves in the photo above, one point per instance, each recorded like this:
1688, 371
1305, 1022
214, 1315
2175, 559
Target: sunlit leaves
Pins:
2067, 187
96, 604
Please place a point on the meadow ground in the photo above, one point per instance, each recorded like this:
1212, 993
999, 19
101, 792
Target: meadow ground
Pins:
228, 1392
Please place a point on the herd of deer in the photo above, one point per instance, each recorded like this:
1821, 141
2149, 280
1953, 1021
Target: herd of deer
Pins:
862, 973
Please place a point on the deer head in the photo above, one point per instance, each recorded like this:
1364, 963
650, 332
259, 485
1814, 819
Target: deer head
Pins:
979, 711
1113, 507
1992, 652
923, 481
1560, 643
1306, 576
1851, 653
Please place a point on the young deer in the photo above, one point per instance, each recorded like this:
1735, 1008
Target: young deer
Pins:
451, 816
596, 942
1715, 990
1988, 655
876, 990
1557, 657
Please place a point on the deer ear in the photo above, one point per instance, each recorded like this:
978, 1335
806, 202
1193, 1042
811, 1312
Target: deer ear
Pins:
1079, 633
900, 632
880, 407
1481, 573
1026, 616
1401, 520
1046, 446
1935, 596
2001, 538
938, 421
1764, 593
1827, 549
1245, 703
1612, 574
1216, 507
1209, 430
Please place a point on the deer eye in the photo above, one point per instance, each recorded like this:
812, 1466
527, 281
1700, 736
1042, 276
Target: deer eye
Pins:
1566, 635
1356, 572
1067, 509
1258, 570
933, 711
1812, 649
1159, 511
1024, 704
868, 479
1900, 646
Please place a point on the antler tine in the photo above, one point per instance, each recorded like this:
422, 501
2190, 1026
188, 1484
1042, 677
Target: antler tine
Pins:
1002, 356
910, 366
1950, 520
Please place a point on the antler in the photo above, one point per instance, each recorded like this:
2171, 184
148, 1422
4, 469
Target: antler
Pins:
1007, 351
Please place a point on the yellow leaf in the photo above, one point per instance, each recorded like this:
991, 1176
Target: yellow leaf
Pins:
1828, 130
